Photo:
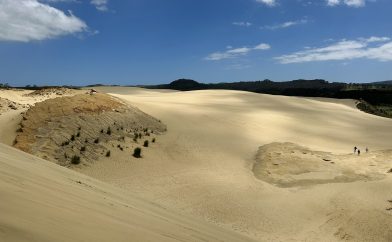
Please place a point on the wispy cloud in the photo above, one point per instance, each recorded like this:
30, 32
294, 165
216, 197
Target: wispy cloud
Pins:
270, 3
285, 24
101, 5
374, 48
350, 3
242, 24
27, 20
237, 52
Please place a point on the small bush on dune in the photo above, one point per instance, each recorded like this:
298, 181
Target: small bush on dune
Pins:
108, 153
96, 140
73, 138
78, 134
137, 152
75, 160
65, 143
153, 140
109, 131
83, 148
145, 143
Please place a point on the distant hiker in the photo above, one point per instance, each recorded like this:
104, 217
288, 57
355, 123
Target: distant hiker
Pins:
367, 149
355, 149
359, 152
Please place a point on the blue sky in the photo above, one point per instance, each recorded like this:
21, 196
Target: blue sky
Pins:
78, 42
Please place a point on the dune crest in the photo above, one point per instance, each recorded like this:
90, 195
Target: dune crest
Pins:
42, 201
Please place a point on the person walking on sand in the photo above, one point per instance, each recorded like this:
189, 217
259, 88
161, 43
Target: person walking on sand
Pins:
359, 152
355, 149
367, 149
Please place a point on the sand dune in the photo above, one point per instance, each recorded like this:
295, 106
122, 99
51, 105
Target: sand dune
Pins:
84, 126
41, 201
203, 165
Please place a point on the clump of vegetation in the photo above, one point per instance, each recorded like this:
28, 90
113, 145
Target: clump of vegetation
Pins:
86, 140
108, 153
145, 144
73, 138
78, 134
75, 160
135, 139
20, 130
137, 152
83, 148
109, 131
140, 135
153, 140
65, 143
102, 131
65, 156
96, 140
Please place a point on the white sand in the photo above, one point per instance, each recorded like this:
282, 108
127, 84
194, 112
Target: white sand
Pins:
41, 201
203, 165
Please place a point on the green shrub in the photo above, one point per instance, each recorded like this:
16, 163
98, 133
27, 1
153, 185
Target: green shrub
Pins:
145, 143
75, 160
153, 140
137, 152
96, 140
108, 153
78, 134
72, 137
109, 131
83, 148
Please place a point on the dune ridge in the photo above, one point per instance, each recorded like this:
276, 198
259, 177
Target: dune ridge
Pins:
42, 201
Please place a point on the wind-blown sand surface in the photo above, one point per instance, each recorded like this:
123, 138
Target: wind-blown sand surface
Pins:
203, 166
41, 201
207, 165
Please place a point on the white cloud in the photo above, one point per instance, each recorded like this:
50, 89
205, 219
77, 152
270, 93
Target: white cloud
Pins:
262, 46
101, 5
237, 52
350, 3
375, 48
285, 24
243, 24
27, 20
270, 3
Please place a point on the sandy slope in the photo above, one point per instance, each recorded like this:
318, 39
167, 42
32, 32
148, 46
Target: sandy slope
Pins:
41, 201
203, 165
